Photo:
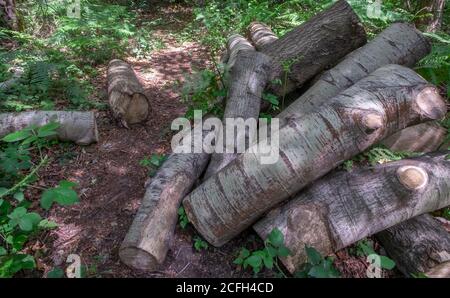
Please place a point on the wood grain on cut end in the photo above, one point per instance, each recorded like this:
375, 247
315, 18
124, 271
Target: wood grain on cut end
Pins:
440, 271
260, 34
412, 177
431, 104
138, 258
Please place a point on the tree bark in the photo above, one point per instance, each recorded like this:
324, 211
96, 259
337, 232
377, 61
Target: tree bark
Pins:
314, 46
425, 137
248, 78
418, 245
126, 95
235, 44
9, 16
79, 127
261, 34
400, 44
146, 244
434, 10
329, 217
390, 99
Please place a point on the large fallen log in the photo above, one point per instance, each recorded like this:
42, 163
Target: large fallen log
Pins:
248, 78
418, 245
78, 127
399, 44
146, 244
126, 95
345, 207
424, 137
313, 46
390, 99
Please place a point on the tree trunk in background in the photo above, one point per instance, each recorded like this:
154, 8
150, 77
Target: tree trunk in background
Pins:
146, 244
248, 78
126, 95
418, 245
317, 44
390, 99
345, 207
425, 137
9, 16
435, 10
400, 44
261, 35
78, 127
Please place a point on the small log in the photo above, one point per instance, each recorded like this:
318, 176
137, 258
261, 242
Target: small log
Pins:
390, 99
314, 46
425, 137
235, 44
126, 95
248, 78
418, 245
399, 44
261, 34
78, 127
146, 244
329, 217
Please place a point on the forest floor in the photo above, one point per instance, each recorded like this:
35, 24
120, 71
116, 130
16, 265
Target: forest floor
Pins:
111, 181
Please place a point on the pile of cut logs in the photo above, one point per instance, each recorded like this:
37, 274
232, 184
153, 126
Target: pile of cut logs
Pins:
360, 94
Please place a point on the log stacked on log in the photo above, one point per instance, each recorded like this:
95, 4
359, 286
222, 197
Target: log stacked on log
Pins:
369, 96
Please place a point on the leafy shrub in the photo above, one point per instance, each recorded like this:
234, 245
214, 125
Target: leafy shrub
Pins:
17, 172
268, 257
317, 266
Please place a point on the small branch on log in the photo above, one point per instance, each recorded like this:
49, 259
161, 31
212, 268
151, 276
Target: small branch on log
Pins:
390, 99
418, 245
78, 127
126, 95
261, 35
317, 44
330, 217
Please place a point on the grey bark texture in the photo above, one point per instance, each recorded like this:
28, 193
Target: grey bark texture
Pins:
390, 99
317, 44
78, 127
261, 34
418, 245
235, 44
345, 207
399, 44
248, 78
9, 15
126, 95
424, 137
148, 239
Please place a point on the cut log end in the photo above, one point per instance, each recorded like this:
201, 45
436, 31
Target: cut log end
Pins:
412, 177
137, 258
440, 271
430, 104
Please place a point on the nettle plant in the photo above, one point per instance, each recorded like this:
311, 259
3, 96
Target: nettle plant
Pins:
22, 155
267, 257
317, 266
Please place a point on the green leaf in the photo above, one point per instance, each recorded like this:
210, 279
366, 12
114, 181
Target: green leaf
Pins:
55, 273
67, 184
386, 263
253, 261
2, 251
3, 190
17, 136
19, 196
268, 261
180, 211
47, 224
314, 256
275, 237
49, 126
238, 261
62, 194
283, 251
244, 253
47, 199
